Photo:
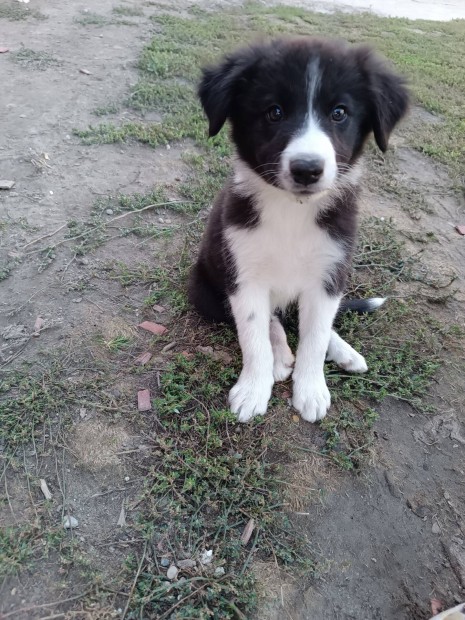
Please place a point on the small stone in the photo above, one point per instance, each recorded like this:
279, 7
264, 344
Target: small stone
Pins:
168, 347
219, 572
51, 193
164, 562
13, 592
126, 478
172, 572
6, 184
295, 418
182, 564
82, 412
77, 300
436, 529
109, 211
70, 523
83, 261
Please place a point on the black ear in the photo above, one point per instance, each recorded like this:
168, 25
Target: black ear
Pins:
389, 97
216, 90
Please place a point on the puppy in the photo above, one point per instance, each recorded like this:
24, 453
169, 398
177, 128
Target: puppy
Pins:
283, 228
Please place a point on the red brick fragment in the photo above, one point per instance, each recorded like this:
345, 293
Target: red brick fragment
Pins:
143, 400
154, 328
460, 229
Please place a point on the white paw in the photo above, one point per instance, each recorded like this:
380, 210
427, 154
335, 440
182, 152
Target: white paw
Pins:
340, 352
283, 363
250, 396
311, 398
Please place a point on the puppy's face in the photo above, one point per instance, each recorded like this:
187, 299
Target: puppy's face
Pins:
301, 110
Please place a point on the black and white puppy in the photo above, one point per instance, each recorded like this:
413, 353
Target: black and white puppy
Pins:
283, 228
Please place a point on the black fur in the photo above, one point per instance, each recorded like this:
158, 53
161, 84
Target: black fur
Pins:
251, 81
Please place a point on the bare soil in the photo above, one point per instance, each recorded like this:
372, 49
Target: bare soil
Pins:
390, 538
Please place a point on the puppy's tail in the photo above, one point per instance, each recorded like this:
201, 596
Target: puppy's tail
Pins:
361, 306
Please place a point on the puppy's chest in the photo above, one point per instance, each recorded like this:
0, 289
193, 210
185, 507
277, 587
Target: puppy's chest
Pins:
284, 252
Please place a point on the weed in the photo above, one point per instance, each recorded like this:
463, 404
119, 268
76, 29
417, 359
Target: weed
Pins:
118, 343
21, 546
17, 12
111, 108
128, 11
30, 59
88, 18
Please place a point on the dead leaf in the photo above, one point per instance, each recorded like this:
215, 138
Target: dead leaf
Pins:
5, 184
143, 358
155, 328
460, 229
85, 72
45, 490
143, 400
39, 323
122, 517
187, 355
286, 394
295, 418
247, 533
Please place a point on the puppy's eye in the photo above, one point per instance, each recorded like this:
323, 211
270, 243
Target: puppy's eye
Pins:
339, 114
274, 114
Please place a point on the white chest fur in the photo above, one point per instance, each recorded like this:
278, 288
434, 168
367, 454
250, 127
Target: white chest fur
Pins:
287, 252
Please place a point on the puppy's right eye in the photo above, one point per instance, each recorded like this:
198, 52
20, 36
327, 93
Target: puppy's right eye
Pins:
274, 114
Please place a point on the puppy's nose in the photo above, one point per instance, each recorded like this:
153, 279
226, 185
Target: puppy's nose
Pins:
306, 171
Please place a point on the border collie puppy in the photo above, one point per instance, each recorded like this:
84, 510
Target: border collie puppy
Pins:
283, 228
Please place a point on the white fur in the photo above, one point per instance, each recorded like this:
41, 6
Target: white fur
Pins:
340, 352
310, 143
285, 258
283, 358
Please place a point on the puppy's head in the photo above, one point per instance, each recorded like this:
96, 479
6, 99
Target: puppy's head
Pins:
301, 109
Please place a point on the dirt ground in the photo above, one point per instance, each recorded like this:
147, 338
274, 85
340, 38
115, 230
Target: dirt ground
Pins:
391, 538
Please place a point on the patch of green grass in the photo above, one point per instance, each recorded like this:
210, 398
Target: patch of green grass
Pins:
27, 400
23, 545
118, 343
31, 59
13, 11
111, 108
207, 480
128, 11
88, 18
347, 436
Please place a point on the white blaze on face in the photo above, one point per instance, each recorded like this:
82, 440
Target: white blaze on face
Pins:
310, 142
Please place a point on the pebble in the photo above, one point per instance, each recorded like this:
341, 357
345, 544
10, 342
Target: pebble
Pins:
70, 523
164, 562
186, 563
109, 211
219, 572
172, 572
436, 529
83, 261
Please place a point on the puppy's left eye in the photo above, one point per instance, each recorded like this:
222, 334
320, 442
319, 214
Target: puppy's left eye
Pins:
339, 114
274, 114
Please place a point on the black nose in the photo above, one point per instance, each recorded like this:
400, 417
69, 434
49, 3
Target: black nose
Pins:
306, 171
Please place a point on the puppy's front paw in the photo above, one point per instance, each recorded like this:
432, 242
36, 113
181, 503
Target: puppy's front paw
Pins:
250, 396
283, 363
311, 398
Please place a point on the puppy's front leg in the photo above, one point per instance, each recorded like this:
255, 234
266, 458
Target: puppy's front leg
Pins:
316, 315
251, 310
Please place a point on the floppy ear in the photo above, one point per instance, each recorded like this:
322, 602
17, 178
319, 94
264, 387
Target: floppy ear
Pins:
389, 97
216, 90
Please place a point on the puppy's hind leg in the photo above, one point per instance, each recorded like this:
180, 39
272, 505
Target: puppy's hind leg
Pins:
340, 352
283, 359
